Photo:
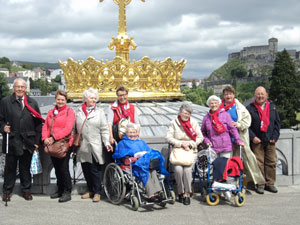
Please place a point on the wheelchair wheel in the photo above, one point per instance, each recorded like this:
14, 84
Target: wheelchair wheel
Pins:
214, 201
173, 196
240, 202
135, 203
114, 183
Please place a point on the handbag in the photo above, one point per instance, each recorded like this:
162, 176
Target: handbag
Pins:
35, 165
59, 148
179, 156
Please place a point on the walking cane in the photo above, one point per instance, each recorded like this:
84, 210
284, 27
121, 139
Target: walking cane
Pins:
7, 140
74, 166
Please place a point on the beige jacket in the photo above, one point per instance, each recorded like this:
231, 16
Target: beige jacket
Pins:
94, 132
176, 134
253, 172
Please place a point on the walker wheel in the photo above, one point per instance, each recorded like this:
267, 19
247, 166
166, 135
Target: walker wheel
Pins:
135, 203
243, 191
162, 204
240, 202
173, 197
214, 200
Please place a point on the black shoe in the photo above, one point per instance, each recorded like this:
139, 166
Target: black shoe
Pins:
186, 201
57, 194
272, 189
180, 198
6, 197
66, 196
259, 190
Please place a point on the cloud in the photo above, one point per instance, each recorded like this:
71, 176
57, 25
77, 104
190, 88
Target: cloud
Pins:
202, 32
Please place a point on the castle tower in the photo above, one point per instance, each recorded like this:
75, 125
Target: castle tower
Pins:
273, 47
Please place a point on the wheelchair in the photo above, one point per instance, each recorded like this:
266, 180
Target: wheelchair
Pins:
120, 183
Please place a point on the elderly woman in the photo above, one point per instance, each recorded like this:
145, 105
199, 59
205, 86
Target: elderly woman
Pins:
185, 135
241, 119
217, 129
133, 147
91, 124
58, 125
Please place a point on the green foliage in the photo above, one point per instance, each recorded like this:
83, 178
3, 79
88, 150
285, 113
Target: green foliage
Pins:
196, 95
15, 69
246, 90
233, 67
284, 90
57, 79
4, 89
27, 66
45, 86
4, 60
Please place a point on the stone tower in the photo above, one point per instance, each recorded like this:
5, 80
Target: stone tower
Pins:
273, 48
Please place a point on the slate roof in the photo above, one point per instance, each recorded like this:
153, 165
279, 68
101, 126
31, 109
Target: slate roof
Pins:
154, 117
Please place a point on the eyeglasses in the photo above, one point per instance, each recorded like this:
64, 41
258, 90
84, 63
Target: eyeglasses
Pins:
122, 95
20, 87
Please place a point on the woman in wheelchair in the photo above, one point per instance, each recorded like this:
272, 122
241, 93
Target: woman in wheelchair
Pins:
145, 162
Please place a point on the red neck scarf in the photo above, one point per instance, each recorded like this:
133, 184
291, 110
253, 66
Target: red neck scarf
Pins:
31, 110
264, 115
188, 128
216, 123
125, 113
84, 109
226, 107
57, 110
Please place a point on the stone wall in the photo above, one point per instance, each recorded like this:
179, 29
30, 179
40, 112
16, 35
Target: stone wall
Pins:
288, 166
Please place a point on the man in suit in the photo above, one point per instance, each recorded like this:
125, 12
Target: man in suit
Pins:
264, 132
20, 119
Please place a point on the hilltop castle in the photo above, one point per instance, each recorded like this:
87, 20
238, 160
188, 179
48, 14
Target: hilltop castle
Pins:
266, 53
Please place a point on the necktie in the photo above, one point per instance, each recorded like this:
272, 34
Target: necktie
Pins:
20, 100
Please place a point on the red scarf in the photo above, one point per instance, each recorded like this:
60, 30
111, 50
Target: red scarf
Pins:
31, 110
125, 113
264, 115
188, 128
84, 109
56, 110
216, 123
226, 107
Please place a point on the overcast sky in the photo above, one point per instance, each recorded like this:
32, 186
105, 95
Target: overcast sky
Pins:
202, 32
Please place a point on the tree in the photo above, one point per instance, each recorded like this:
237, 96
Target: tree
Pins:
4, 60
57, 79
4, 89
284, 90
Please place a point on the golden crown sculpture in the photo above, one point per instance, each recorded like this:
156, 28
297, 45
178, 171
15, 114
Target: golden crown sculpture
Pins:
145, 79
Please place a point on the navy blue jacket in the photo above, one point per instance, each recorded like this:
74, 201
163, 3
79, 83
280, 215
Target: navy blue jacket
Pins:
273, 131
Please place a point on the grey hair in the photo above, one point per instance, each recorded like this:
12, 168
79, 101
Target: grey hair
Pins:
186, 107
20, 79
91, 91
213, 97
131, 126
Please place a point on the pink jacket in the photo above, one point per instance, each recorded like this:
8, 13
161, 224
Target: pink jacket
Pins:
63, 124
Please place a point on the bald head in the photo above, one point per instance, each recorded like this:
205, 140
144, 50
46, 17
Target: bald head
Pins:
260, 95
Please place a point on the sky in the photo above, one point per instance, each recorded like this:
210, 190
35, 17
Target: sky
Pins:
202, 32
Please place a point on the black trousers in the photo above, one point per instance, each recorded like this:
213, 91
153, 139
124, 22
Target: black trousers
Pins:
62, 173
93, 175
10, 172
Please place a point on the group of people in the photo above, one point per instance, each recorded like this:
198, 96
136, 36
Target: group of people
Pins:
226, 126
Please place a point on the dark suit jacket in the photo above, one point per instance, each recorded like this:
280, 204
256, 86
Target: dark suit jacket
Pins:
25, 128
273, 131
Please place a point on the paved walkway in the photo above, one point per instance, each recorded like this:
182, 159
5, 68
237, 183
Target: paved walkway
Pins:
276, 209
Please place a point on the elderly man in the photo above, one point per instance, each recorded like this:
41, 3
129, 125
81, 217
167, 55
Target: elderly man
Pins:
20, 119
264, 132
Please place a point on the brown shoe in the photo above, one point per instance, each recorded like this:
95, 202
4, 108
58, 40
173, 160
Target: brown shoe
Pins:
87, 195
6, 197
27, 196
96, 198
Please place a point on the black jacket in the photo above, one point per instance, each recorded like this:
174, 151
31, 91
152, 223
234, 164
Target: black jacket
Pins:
273, 131
25, 128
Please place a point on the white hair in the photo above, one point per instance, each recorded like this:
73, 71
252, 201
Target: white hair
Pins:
213, 97
187, 107
131, 126
91, 91
20, 79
